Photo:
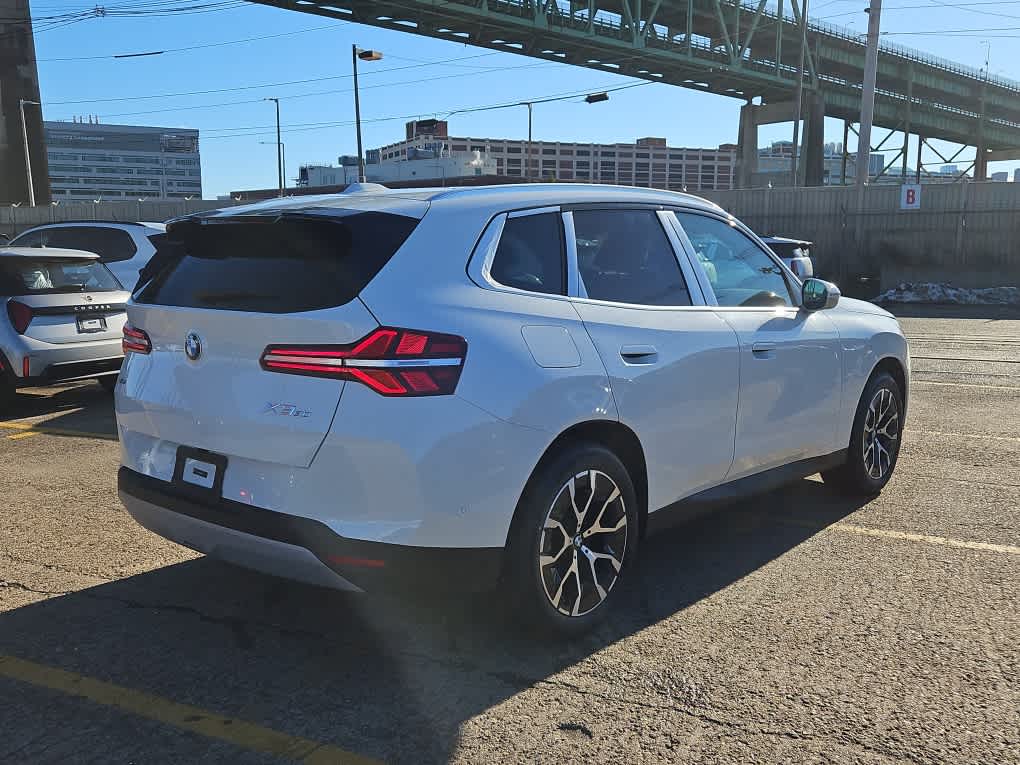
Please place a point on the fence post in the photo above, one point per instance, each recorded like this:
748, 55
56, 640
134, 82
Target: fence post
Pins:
961, 221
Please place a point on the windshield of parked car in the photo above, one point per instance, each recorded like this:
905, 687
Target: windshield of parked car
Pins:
25, 276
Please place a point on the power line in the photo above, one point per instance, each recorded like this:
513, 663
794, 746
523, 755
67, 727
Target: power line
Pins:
312, 126
191, 47
247, 87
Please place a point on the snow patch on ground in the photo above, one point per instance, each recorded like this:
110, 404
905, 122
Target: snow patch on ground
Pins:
930, 292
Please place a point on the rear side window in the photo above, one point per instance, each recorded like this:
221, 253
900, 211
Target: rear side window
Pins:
624, 256
273, 265
530, 255
54, 276
110, 244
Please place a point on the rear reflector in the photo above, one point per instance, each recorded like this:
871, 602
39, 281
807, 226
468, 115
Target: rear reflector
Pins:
392, 362
26, 367
135, 341
20, 316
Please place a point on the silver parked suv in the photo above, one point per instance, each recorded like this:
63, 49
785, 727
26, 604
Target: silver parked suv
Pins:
454, 388
61, 318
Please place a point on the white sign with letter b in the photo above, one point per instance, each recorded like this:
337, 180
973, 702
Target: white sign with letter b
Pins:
910, 196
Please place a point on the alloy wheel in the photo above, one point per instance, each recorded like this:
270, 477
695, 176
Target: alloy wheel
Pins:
584, 539
881, 434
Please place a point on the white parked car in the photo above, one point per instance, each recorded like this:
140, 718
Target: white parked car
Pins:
61, 319
460, 388
124, 248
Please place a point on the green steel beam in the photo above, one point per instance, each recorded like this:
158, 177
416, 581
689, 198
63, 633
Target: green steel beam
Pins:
705, 46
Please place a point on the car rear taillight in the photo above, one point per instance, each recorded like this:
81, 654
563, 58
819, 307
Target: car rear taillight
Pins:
135, 340
20, 316
392, 362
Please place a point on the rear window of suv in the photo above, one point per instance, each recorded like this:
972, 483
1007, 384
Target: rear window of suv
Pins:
273, 265
112, 245
54, 276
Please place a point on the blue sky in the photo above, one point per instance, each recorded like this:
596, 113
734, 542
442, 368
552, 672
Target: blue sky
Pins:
406, 83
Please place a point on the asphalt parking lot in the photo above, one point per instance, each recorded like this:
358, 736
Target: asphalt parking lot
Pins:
802, 627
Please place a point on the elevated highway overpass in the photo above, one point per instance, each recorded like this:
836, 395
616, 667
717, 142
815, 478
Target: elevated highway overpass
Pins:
735, 49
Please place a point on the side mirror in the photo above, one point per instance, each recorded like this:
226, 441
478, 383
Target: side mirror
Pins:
818, 295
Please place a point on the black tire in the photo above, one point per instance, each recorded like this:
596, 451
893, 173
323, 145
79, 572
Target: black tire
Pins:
109, 382
577, 564
881, 405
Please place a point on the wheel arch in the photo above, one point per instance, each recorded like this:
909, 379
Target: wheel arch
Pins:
616, 437
895, 368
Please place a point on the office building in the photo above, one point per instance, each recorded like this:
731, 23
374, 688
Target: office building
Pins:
89, 161
647, 162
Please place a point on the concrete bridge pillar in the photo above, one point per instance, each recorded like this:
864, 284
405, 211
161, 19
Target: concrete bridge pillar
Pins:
747, 146
19, 80
812, 164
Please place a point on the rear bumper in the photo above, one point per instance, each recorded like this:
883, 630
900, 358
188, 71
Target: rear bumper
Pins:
56, 362
300, 548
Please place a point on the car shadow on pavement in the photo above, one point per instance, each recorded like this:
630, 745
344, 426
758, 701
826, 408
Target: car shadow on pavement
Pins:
83, 409
389, 678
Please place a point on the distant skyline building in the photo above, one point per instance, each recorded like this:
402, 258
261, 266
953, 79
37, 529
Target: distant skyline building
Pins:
89, 161
648, 162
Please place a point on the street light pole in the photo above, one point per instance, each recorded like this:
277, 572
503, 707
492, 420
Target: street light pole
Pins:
364, 55
527, 160
28, 158
283, 146
279, 156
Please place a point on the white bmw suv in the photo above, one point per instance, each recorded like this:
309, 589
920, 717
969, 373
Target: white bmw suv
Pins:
464, 388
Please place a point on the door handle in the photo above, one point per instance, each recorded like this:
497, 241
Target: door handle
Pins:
639, 354
764, 350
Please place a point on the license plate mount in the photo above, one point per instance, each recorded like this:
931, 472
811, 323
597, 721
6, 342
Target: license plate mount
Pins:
200, 472
87, 324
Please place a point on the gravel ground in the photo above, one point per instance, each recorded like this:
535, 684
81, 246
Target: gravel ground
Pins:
802, 627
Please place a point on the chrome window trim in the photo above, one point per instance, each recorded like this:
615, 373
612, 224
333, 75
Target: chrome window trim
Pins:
533, 211
688, 275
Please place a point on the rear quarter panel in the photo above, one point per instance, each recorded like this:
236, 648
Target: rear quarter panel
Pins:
426, 286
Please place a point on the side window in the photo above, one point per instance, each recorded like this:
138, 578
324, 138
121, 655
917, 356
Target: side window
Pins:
531, 255
110, 244
741, 273
625, 256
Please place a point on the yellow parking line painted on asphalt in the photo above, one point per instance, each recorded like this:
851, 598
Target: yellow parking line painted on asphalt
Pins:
907, 537
962, 385
192, 719
961, 435
23, 434
36, 429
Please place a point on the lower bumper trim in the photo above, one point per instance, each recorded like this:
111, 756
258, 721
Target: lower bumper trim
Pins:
368, 565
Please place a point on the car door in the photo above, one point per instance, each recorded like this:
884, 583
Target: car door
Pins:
672, 361
790, 360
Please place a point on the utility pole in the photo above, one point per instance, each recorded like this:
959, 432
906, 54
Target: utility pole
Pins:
28, 159
800, 93
868, 94
279, 156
